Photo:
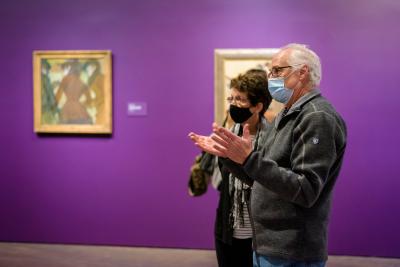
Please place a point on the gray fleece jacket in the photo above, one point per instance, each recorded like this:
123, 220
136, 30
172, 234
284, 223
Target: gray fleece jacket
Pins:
294, 176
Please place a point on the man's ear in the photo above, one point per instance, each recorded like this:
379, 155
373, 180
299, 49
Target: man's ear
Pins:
304, 71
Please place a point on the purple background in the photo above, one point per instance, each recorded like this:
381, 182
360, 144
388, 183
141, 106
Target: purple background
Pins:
130, 188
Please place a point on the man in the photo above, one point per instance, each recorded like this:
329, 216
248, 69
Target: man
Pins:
295, 173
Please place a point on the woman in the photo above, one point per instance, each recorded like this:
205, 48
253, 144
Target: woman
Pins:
249, 99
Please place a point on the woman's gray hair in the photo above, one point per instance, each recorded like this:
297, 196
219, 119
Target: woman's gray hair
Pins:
301, 55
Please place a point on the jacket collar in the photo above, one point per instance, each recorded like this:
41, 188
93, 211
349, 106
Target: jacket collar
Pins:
297, 106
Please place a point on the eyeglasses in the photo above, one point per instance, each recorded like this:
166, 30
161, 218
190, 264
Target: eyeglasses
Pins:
238, 100
277, 71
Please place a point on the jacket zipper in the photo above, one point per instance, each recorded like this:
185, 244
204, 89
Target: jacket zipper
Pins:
253, 229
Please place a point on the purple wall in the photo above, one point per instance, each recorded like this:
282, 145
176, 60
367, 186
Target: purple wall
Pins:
130, 189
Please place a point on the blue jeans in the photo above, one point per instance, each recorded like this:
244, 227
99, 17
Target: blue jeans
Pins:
264, 261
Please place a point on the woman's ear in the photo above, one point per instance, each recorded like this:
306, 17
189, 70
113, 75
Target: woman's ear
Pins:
259, 107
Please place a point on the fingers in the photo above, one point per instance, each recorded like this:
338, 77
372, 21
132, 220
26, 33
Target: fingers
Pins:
194, 137
213, 149
219, 143
220, 151
246, 132
220, 140
223, 132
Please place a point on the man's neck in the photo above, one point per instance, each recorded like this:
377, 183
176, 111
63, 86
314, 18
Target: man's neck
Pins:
297, 94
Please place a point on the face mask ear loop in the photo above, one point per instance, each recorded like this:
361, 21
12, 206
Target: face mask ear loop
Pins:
290, 74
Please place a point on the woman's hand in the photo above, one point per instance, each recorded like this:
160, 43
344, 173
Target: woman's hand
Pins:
224, 143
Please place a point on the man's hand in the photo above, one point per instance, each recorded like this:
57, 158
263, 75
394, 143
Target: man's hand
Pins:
236, 148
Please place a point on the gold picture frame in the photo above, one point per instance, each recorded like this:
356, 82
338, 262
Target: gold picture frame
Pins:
228, 64
72, 91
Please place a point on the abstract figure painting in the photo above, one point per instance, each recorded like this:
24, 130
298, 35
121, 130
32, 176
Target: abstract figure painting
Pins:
72, 92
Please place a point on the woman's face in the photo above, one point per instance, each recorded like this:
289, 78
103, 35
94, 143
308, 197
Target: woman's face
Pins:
240, 99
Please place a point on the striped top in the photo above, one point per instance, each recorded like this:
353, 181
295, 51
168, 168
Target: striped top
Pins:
243, 231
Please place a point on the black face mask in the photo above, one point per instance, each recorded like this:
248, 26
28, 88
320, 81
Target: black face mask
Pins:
239, 115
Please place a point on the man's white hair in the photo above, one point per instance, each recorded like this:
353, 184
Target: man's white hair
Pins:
299, 55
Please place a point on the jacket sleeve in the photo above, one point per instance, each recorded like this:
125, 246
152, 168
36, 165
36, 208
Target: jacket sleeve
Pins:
314, 152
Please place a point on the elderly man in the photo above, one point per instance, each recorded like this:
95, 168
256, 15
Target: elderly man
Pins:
295, 173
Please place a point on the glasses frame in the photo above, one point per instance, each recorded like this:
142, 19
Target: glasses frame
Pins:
238, 100
277, 71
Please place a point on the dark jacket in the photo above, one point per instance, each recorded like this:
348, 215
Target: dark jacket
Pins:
223, 229
294, 176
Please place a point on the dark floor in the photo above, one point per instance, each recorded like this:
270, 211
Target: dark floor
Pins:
44, 255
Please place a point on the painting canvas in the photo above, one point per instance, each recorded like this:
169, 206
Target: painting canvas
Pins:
72, 92
229, 63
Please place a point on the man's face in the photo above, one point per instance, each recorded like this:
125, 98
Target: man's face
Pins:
281, 68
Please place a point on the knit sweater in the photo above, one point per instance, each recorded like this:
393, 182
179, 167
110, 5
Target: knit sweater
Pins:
294, 176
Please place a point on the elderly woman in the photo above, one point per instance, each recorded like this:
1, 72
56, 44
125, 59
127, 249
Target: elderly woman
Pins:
249, 99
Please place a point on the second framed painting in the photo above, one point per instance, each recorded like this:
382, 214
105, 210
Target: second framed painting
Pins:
229, 63
72, 91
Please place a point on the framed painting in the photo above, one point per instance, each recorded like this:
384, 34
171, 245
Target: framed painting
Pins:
229, 63
72, 92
